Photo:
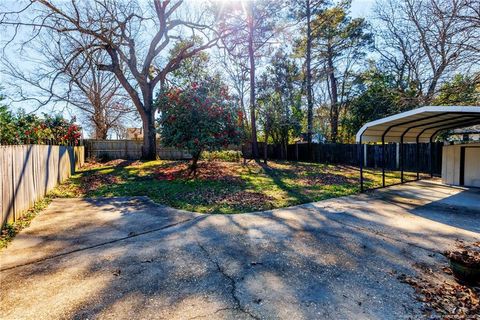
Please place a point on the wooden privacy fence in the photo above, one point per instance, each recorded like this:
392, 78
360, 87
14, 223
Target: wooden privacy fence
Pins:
337, 153
28, 172
128, 150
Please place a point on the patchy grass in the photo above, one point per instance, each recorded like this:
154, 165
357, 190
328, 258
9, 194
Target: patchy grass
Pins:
10, 230
219, 187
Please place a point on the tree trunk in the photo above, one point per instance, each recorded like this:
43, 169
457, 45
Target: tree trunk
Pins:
194, 164
149, 148
265, 148
101, 132
99, 121
251, 57
334, 102
309, 81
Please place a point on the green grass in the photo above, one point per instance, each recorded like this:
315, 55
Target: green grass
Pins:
221, 187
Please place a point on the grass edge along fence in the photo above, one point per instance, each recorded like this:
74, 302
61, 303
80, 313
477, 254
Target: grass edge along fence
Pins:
29, 172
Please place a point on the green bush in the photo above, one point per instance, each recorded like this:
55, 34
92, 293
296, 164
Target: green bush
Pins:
226, 155
23, 128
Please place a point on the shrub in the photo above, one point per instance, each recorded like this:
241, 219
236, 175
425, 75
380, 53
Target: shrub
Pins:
199, 118
22, 128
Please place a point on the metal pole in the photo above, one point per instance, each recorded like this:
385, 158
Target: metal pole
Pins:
401, 159
383, 161
417, 158
361, 165
431, 158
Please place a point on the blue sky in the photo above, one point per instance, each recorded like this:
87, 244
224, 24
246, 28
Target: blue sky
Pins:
362, 8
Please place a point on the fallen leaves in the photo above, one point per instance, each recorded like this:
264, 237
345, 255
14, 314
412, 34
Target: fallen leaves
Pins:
468, 255
95, 180
451, 301
239, 199
207, 171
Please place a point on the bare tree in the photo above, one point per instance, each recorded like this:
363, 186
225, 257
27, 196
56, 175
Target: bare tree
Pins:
252, 25
132, 34
97, 94
237, 74
425, 40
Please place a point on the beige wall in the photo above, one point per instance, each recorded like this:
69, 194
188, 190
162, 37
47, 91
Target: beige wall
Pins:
451, 164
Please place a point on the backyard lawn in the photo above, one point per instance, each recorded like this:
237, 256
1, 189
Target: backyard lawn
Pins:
219, 187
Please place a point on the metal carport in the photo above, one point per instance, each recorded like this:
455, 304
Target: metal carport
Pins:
420, 125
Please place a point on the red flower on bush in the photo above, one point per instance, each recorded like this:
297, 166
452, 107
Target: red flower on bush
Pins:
198, 119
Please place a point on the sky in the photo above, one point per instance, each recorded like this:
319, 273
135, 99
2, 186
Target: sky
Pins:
362, 8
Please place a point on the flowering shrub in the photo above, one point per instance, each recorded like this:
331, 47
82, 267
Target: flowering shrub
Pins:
199, 118
24, 128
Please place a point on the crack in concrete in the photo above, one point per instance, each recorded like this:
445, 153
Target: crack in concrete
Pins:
212, 313
233, 285
129, 236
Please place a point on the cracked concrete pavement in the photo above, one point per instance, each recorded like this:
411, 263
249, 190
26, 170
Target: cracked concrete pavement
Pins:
128, 258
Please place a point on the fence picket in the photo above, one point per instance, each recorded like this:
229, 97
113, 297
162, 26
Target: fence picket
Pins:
28, 172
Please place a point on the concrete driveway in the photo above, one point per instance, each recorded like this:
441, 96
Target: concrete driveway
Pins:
131, 259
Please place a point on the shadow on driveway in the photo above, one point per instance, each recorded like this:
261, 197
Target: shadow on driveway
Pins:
125, 258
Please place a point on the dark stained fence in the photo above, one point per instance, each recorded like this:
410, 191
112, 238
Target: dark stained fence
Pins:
349, 154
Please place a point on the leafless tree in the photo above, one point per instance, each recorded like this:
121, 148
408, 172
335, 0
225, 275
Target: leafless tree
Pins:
237, 74
134, 35
98, 95
423, 41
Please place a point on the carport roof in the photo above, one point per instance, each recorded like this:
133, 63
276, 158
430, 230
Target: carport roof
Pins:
420, 124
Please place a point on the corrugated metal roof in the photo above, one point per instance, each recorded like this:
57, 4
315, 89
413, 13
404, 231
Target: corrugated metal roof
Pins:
419, 125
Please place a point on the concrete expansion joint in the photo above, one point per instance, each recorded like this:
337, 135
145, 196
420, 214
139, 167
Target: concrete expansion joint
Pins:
233, 285
129, 236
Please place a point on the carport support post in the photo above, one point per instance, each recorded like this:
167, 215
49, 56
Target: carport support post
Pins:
417, 158
401, 159
383, 160
361, 164
431, 158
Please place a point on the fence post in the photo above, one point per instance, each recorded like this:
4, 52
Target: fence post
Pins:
397, 155
296, 150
